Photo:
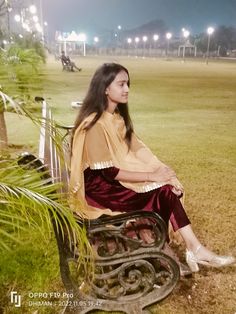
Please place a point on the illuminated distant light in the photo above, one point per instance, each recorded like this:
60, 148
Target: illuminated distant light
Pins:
155, 37
96, 39
45, 23
145, 38
35, 19
210, 30
183, 29
116, 35
24, 25
33, 9
17, 18
5, 42
129, 40
137, 39
119, 27
168, 35
38, 27
21, 36
186, 33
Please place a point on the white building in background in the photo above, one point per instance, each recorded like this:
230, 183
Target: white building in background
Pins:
71, 42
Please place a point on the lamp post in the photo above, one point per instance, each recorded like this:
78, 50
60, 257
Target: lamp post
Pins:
186, 34
168, 37
46, 35
118, 44
129, 41
155, 38
144, 44
210, 31
96, 40
136, 45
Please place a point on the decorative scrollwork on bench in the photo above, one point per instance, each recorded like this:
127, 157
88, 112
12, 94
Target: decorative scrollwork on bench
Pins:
129, 234
134, 277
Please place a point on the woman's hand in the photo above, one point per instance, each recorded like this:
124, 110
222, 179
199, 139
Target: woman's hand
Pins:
178, 191
166, 174
163, 174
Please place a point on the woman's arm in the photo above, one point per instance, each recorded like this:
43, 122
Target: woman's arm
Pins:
164, 174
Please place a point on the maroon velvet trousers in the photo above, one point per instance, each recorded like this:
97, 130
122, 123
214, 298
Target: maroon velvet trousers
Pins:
102, 191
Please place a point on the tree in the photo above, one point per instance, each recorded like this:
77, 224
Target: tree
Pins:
222, 40
225, 38
18, 70
3, 7
3, 12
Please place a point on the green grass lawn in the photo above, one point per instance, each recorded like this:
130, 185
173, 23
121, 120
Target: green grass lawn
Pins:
186, 113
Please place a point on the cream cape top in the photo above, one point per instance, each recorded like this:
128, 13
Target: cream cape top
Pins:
104, 146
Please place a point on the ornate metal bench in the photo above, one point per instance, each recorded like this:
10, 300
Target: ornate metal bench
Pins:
131, 270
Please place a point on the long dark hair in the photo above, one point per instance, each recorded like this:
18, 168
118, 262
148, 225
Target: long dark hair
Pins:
96, 100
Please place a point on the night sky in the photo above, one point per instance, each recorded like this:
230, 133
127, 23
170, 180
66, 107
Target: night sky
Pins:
96, 16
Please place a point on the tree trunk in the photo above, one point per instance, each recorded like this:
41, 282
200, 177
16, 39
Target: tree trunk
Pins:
3, 132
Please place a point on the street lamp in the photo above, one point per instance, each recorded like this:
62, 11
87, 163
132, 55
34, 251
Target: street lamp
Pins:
168, 37
155, 38
210, 31
17, 18
45, 29
118, 39
144, 44
129, 41
96, 40
33, 9
136, 39
186, 34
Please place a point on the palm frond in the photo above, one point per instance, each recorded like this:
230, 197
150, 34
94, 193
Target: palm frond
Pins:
29, 202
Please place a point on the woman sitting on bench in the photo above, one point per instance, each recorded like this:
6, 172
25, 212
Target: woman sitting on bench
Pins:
113, 171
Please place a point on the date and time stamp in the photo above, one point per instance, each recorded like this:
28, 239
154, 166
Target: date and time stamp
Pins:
52, 299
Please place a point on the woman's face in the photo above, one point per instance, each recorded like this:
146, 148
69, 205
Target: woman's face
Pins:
118, 91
